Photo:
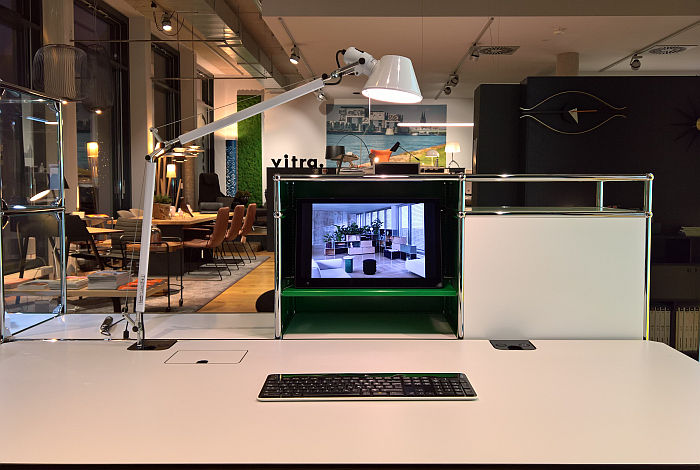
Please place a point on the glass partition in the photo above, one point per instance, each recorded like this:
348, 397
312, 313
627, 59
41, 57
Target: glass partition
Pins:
31, 183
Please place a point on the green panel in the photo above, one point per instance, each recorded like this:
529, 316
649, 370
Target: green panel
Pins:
397, 310
250, 150
372, 322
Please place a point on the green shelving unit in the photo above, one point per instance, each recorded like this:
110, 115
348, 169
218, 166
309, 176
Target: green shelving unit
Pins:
369, 312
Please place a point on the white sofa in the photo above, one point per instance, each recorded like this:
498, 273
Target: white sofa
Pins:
416, 266
328, 268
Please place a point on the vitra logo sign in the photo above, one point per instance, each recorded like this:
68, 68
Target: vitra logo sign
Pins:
310, 162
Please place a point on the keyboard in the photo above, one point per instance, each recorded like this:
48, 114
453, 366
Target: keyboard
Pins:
385, 386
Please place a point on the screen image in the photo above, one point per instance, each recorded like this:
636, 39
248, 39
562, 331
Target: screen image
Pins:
368, 241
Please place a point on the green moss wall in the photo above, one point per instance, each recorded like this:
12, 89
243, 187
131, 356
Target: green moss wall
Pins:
250, 150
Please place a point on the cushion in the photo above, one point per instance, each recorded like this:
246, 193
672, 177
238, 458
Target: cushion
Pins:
383, 155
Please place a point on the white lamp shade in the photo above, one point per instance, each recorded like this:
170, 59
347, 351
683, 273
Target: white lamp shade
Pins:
432, 153
452, 147
393, 80
170, 171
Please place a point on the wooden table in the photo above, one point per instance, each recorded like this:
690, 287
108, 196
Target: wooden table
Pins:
115, 294
103, 231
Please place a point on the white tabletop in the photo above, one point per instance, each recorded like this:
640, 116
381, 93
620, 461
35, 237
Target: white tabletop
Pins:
582, 402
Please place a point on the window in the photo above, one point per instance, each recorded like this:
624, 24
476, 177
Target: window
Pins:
404, 225
205, 112
417, 227
20, 38
166, 93
104, 181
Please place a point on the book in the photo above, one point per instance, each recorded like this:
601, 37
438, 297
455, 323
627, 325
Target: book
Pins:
134, 284
108, 279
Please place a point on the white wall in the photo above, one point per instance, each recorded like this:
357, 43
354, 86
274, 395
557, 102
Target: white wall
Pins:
295, 128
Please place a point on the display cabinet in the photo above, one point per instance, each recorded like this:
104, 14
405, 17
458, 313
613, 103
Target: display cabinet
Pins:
32, 248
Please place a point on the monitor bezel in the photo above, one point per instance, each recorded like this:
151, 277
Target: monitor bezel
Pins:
433, 265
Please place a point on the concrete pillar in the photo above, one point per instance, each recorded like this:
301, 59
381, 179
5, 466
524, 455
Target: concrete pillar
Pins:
188, 111
140, 103
58, 29
567, 64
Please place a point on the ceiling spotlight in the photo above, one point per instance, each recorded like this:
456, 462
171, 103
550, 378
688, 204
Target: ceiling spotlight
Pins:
165, 22
474, 56
447, 90
454, 79
321, 96
294, 56
635, 63
98, 111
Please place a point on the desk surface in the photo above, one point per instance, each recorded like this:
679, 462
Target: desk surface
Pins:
581, 402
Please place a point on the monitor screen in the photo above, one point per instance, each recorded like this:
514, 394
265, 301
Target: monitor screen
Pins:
368, 243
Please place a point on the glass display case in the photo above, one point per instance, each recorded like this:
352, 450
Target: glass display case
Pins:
32, 251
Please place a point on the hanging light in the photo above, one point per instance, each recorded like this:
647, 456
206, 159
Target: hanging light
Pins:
171, 171
93, 149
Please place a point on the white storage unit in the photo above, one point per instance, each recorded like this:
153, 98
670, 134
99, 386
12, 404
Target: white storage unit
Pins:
555, 276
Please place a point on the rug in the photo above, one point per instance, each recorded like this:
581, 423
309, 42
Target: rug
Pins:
199, 289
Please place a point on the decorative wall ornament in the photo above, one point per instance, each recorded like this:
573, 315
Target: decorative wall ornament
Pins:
573, 112
690, 125
231, 168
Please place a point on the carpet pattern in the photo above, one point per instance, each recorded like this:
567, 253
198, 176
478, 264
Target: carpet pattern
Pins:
199, 289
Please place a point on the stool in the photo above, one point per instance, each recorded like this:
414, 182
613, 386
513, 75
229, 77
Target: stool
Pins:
369, 266
348, 264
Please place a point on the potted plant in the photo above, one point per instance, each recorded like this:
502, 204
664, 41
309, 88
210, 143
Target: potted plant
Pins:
242, 197
161, 206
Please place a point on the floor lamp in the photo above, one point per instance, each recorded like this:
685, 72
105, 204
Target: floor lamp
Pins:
391, 79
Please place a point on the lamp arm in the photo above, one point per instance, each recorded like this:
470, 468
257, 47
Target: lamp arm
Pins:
251, 111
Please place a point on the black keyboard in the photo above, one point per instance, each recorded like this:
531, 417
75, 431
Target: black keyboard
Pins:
399, 386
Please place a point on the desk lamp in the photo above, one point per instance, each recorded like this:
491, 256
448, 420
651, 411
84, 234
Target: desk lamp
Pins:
390, 79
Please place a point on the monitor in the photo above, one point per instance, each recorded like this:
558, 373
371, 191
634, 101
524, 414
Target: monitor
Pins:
370, 243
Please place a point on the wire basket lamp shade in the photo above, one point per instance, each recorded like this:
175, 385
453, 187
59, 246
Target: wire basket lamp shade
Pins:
60, 70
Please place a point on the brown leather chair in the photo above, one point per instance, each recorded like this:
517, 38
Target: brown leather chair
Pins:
248, 228
234, 229
215, 240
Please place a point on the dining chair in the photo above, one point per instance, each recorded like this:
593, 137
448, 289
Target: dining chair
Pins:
214, 241
248, 229
76, 232
234, 229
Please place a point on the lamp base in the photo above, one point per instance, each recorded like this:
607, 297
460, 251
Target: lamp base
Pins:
153, 345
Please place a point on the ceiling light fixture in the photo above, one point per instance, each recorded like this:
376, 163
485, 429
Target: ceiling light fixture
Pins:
165, 23
474, 56
635, 63
294, 56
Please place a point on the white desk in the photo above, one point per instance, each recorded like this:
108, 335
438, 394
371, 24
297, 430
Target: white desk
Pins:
86, 402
